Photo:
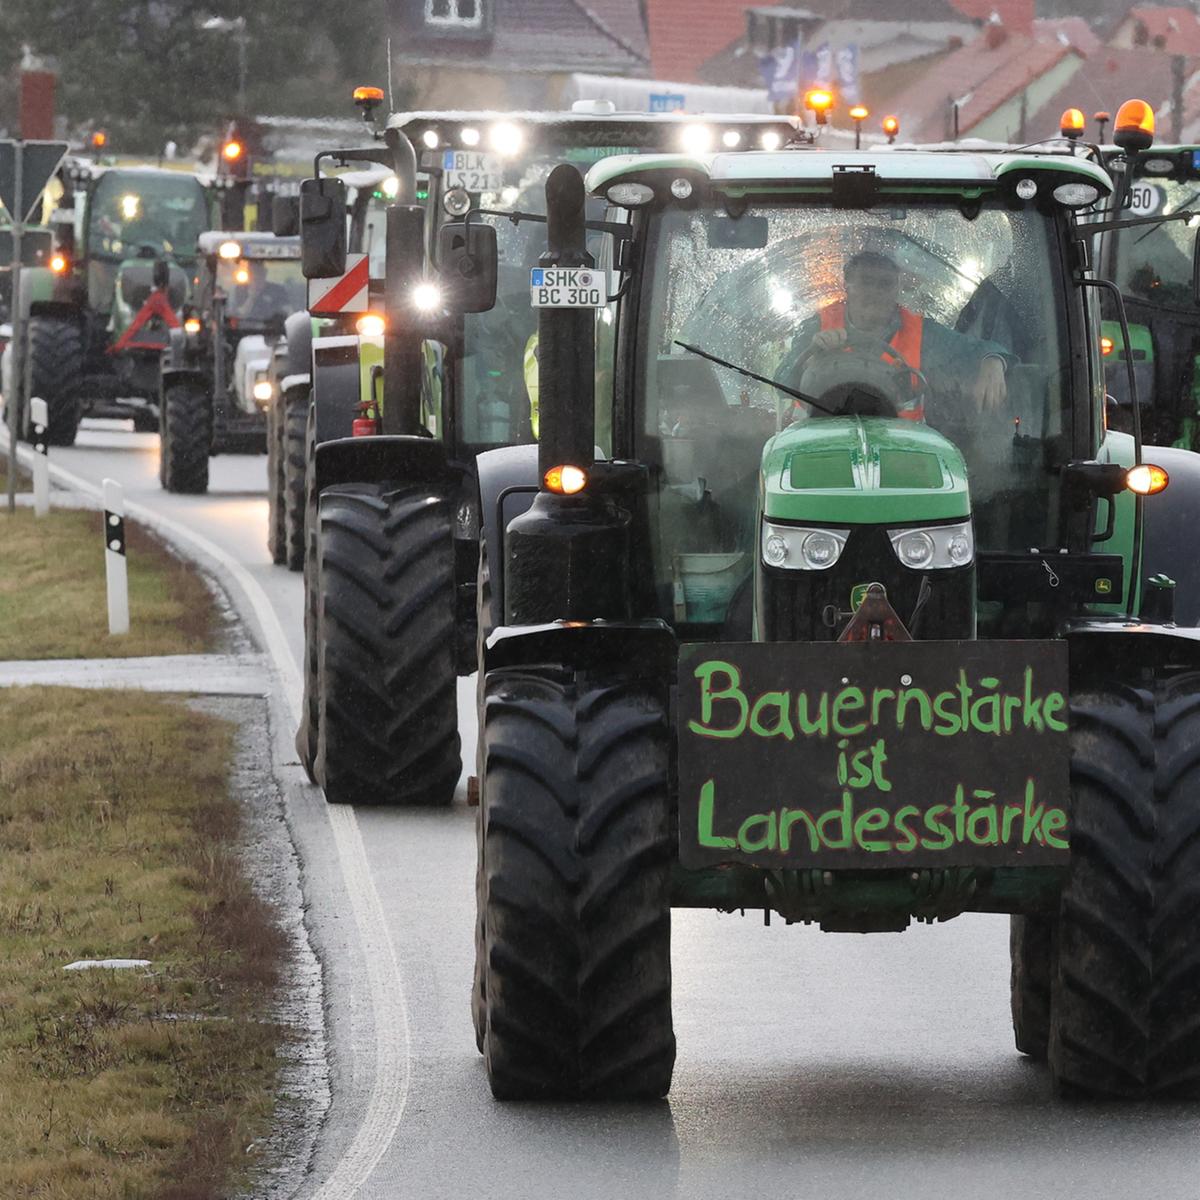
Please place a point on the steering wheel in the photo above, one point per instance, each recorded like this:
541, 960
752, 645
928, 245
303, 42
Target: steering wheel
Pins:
865, 377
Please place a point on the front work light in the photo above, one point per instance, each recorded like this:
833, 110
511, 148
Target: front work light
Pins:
1146, 479
770, 140
506, 139
630, 195
262, 390
565, 480
696, 139
427, 297
1134, 127
801, 548
230, 250
58, 263
935, 547
1076, 195
191, 325
370, 325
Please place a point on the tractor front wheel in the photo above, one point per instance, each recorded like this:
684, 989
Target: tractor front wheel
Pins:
275, 501
1030, 946
185, 437
387, 707
306, 735
54, 372
292, 450
575, 857
1126, 986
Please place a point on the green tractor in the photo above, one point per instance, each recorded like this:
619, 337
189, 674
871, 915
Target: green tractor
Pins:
99, 318
215, 382
401, 411
823, 596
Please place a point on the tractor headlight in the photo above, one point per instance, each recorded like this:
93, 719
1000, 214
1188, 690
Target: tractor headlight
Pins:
797, 548
935, 547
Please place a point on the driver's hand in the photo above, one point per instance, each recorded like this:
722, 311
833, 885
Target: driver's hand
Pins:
829, 339
990, 390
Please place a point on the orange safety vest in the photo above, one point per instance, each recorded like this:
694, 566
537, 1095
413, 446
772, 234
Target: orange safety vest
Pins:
906, 342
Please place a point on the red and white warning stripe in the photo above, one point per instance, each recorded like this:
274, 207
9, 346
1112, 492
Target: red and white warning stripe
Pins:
344, 294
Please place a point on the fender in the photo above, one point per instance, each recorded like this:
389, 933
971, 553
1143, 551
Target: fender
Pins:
508, 482
297, 347
335, 385
1170, 521
1129, 646
647, 647
63, 309
172, 375
383, 459
176, 351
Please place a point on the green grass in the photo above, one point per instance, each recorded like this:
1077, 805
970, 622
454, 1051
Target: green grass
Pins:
117, 839
52, 592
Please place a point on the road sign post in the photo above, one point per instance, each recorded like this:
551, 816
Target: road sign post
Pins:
39, 416
25, 169
116, 578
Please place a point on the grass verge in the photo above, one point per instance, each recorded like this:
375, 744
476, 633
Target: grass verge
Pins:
118, 837
52, 592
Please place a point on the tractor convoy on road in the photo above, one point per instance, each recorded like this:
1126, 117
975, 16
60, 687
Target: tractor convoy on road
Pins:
817, 524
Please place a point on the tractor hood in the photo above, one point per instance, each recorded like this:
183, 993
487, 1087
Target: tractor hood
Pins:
863, 471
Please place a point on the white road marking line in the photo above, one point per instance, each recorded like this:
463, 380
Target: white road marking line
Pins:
389, 1006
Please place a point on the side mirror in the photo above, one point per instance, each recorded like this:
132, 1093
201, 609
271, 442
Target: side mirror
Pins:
467, 266
322, 228
285, 216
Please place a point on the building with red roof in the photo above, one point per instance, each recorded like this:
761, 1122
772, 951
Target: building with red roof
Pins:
1175, 30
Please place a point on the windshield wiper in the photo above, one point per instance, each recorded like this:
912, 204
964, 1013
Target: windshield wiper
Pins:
1184, 207
782, 387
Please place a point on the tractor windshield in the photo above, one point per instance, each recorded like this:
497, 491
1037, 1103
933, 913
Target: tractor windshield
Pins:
499, 367
1155, 263
927, 312
138, 213
259, 289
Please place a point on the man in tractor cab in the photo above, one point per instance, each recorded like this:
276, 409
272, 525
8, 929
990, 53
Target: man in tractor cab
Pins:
258, 299
872, 313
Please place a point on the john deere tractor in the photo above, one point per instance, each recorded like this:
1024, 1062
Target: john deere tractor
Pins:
444, 367
215, 382
99, 318
823, 595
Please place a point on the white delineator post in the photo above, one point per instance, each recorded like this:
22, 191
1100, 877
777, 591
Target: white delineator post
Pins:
41, 464
114, 557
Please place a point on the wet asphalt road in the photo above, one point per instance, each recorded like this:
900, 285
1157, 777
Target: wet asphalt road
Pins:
810, 1065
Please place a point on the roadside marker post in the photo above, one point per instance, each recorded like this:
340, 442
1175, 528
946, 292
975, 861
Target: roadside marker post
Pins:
40, 417
114, 557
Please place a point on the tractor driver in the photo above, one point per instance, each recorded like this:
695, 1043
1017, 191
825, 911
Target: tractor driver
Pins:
873, 310
259, 298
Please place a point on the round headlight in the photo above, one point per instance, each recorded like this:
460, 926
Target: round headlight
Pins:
696, 139
819, 549
775, 551
770, 140
1026, 188
457, 202
731, 139
431, 139
681, 188
630, 195
915, 549
960, 550
1157, 166
469, 136
1076, 195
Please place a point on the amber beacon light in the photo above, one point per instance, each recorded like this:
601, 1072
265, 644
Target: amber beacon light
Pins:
1134, 127
1072, 124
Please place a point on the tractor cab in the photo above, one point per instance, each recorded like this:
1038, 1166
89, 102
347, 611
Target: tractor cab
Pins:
837, 375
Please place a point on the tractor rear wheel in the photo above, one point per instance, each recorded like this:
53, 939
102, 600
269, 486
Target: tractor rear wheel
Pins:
275, 484
54, 372
1030, 946
306, 735
576, 859
292, 443
1126, 986
185, 437
483, 627
387, 707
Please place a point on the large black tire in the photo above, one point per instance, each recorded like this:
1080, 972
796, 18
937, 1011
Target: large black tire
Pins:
576, 861
386, 686
54, 372
292, 443
306, 735
185, 437
1030, 946
276, 537
1124, 1014
483, 627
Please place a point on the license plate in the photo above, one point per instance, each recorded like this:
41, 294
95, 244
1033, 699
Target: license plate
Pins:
568, 287
472, 170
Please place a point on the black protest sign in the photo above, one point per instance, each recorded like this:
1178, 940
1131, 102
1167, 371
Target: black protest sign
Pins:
873, 755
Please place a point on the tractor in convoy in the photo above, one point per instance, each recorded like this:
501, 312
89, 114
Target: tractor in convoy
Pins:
215, 374
444, 369
825, 594
100, 312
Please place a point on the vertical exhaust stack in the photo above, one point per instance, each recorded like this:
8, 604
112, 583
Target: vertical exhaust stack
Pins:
403, 271
36, 117
567, 558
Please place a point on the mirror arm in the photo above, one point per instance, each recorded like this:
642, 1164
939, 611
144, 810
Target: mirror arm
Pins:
618, 229
1088, 229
